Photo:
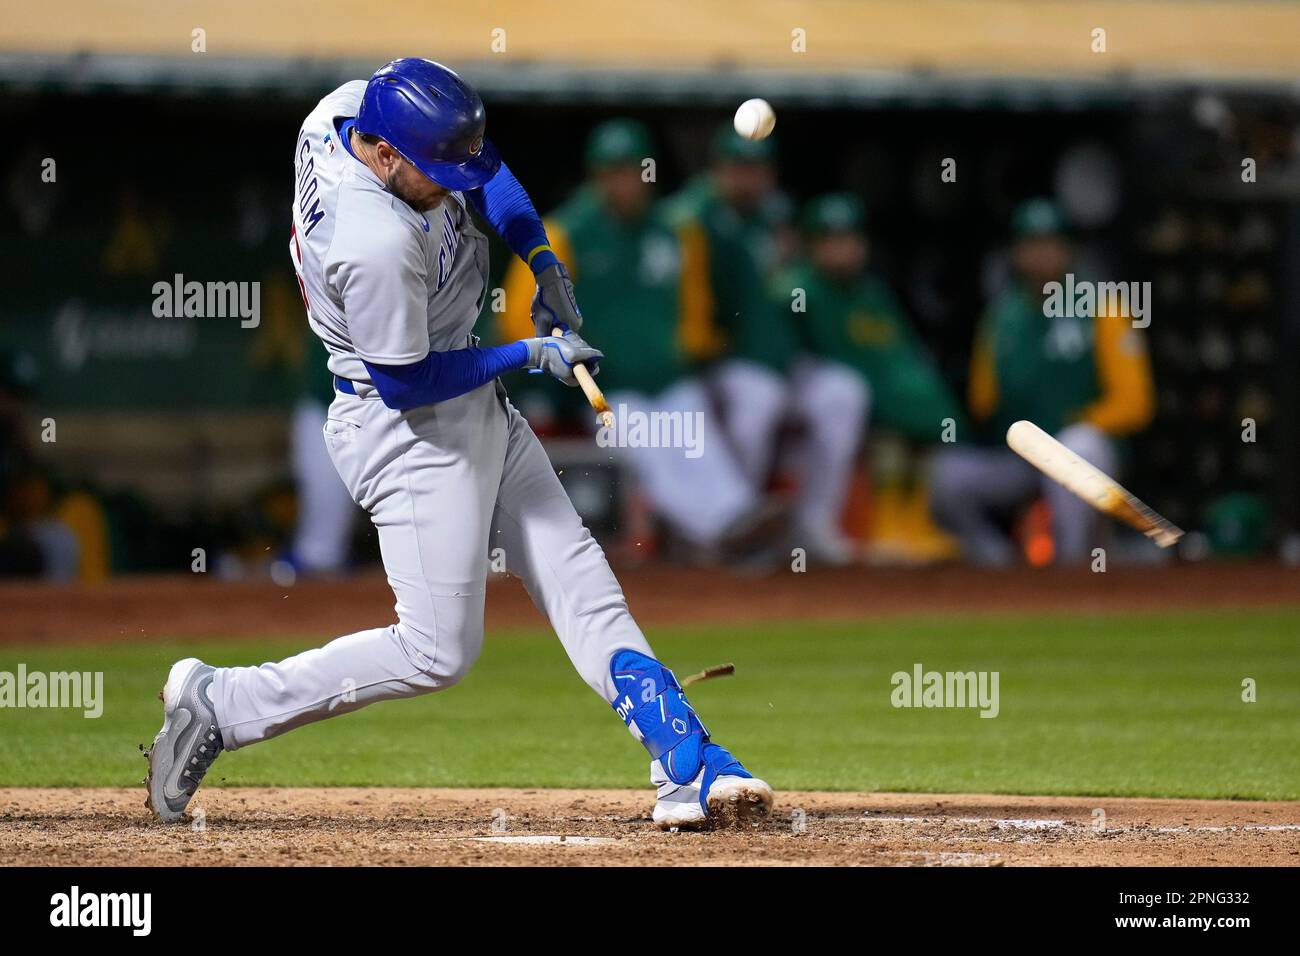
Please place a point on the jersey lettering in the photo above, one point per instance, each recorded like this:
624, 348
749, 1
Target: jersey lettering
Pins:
308, 187
447, 253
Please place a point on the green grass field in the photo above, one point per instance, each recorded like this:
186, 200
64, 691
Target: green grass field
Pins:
1127, 705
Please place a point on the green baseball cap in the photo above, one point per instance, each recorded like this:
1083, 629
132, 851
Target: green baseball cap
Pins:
730, 147
1038, 217
619, 142
834, 212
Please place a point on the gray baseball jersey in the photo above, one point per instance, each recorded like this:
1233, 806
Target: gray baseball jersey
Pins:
446, 485
382, 282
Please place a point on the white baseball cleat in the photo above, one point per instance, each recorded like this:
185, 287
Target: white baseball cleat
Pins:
739, 802
732, 802
188, 742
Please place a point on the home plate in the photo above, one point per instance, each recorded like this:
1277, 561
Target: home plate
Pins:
548, 838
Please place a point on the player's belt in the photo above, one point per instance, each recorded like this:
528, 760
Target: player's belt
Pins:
360, 389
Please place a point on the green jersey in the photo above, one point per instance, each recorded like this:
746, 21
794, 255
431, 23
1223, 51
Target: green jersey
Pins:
861, 324
627, 277
1044, 368
741, 253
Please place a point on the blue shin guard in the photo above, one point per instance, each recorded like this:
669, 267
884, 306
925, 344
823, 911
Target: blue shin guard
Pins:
655, 709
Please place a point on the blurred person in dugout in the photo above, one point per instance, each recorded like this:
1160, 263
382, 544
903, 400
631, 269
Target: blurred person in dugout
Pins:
46, 531
1085, 380
325, 513
735, 209
861, 362
643, 284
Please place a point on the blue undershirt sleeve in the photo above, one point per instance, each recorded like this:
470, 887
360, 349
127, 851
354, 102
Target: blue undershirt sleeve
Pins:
503, 202
443, 375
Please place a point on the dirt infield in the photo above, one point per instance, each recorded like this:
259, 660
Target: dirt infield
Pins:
197, 606
352, 827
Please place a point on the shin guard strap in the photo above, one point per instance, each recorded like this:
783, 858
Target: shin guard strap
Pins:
651, 703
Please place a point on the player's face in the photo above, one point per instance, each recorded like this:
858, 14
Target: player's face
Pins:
414, 188
623, 191
745, 185
406, 182
1041, 259
840, 255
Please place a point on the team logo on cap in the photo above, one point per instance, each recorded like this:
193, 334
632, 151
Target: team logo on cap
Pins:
476, 147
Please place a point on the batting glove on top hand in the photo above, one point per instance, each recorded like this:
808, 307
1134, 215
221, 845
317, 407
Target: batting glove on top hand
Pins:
553, 302
556, 355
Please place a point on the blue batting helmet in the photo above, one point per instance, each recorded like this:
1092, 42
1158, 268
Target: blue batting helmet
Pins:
433, 118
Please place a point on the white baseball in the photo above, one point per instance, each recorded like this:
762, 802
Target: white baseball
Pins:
755, 119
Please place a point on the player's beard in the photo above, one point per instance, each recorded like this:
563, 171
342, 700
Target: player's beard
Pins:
418, 203
395, 187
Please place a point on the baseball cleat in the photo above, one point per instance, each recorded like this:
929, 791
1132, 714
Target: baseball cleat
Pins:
722, 796
739, 802
188, 742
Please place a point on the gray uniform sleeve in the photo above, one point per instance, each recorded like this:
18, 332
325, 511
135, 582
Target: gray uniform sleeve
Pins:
380, 281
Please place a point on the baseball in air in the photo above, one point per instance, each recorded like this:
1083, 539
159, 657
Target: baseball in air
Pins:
755, 119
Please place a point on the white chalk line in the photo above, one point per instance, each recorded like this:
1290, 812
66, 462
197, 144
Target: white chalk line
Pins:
546, 839
1012, 823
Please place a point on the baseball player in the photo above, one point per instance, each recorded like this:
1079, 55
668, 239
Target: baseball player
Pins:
1086, 380
736, 208
394, 273
864, 366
